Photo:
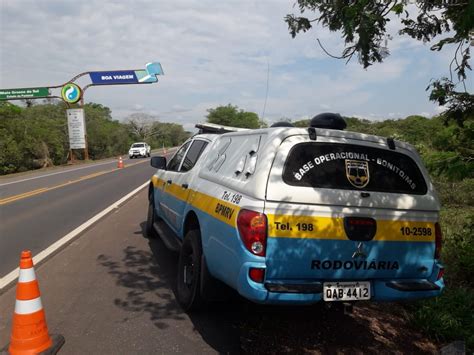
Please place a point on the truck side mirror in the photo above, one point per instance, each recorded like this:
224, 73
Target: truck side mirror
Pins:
158, 162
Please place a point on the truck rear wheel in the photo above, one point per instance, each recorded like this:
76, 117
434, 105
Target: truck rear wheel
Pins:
150, 219
189, 272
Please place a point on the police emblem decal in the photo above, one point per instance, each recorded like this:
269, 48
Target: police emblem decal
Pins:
357, 172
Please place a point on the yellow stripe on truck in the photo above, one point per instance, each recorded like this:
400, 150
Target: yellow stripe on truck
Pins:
310, 227
223, 211
290, 226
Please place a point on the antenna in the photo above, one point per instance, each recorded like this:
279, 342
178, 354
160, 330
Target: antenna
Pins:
266, 93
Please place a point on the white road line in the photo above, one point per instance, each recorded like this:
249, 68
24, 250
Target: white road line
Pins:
56, 173
12, 276
66, 171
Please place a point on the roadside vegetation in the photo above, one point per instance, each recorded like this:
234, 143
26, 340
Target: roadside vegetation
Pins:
448, 152
36, 136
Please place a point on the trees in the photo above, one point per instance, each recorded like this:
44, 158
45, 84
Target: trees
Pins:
231, 116
146, 128
167, 134
36, 136
31, 137
363, 24
106, 137
141, 125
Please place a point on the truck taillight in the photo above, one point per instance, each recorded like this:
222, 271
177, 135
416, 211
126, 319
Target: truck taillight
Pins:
438, 240
253, 231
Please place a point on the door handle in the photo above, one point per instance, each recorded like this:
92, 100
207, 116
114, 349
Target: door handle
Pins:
184, 186
169, 182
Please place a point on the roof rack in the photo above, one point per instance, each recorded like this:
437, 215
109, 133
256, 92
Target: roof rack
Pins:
216, 128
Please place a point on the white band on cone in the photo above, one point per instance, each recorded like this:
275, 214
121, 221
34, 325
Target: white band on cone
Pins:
27, 275
27, 307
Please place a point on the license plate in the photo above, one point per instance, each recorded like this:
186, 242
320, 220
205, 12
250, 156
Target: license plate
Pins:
346, 291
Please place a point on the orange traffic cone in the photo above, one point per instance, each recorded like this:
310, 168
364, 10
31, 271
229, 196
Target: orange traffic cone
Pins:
29, 330
120, 163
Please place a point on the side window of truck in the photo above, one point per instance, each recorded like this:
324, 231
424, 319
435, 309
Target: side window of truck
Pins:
193, 155
175, 162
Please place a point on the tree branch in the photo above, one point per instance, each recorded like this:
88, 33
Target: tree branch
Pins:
333, 56
391, 8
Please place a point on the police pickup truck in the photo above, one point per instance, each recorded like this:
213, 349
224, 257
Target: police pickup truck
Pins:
290, 215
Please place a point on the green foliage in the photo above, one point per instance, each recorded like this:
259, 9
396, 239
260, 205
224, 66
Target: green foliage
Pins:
363, 25
458, 255
448, 317
167, 134
446, 148
10, 155
32, 137
460, 105
36, 136
455, 193
449, 164
301, 123
105, 136
231, 116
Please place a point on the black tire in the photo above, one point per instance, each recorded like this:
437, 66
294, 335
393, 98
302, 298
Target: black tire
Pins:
150, 219
189, 272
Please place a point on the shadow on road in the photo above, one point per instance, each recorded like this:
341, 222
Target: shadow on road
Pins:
239, 326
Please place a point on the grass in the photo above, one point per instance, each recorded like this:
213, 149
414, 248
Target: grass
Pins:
450, 317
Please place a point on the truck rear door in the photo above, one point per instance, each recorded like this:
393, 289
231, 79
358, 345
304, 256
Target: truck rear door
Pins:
344, 209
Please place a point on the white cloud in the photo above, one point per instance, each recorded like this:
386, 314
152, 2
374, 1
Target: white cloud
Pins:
213, 53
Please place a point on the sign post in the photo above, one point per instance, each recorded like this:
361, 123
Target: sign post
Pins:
71, 93
76, 129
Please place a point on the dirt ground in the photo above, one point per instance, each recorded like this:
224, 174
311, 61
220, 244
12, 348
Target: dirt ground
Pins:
369, 329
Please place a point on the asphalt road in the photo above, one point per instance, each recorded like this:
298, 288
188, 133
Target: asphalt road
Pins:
112, 291
38, 208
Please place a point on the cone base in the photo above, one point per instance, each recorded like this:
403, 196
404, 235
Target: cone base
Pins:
57, 342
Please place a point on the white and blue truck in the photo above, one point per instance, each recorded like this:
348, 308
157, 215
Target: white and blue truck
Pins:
287, 215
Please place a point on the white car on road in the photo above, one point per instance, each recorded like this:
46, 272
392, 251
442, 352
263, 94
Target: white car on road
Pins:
140, 149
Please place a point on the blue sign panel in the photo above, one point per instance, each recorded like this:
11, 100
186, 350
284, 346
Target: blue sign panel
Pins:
141, 76
113, 77
149, 74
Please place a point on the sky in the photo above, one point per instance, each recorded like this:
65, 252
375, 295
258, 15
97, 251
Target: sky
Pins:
212, 53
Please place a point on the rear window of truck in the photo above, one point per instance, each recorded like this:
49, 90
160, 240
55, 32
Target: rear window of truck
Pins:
352, 167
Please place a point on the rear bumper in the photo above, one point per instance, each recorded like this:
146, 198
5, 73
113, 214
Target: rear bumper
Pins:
308, 292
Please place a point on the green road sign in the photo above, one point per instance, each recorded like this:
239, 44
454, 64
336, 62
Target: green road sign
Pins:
27, 93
